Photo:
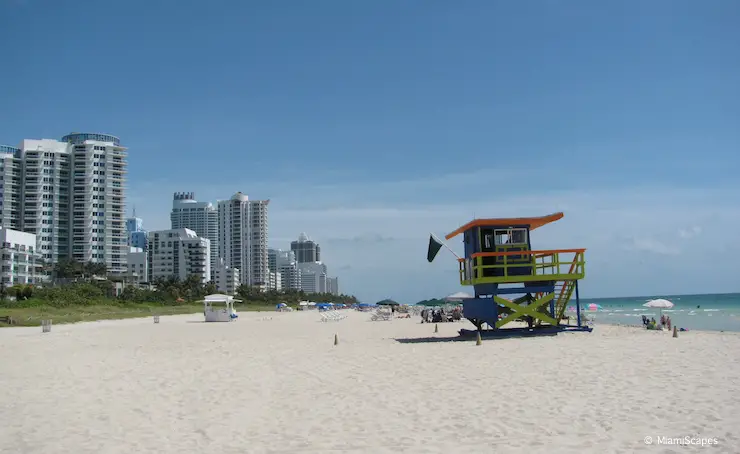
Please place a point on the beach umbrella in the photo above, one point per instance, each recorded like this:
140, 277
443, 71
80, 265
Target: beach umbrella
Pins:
457, 297
659, 303
431, 303
387, 303
594, 307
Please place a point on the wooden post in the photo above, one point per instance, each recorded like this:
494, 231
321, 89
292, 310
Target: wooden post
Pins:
478, 340
336, 339
675, 331
436, 328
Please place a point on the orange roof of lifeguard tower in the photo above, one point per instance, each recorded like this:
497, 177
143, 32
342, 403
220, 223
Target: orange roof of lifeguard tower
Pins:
533, 223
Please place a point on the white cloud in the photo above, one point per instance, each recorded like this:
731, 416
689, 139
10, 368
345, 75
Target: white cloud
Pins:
374, 236
689, 233
652, 245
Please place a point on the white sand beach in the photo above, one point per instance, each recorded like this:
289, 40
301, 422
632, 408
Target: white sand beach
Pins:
275, 383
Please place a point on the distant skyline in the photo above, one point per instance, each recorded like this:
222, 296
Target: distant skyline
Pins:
370, 124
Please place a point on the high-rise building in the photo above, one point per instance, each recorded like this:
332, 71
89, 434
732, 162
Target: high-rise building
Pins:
11, 178
242, 233
71, 195
284, 264
47, 191
332, 285
17, 257
136, 233
36, 190
275, 281
200, 217
313, 277
138, 265
178, 253
306, 251
226, 278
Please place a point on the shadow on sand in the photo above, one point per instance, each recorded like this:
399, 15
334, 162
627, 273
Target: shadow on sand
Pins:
425, 340
469, 337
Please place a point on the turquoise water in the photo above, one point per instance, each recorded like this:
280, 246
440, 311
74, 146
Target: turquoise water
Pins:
702, 312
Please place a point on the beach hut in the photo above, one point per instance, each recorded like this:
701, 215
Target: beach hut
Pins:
223, 311
499, 260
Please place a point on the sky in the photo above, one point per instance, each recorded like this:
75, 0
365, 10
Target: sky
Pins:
370, 124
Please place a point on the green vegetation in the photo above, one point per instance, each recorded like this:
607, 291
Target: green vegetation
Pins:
32, 316
433, 302
88, 298
69, 269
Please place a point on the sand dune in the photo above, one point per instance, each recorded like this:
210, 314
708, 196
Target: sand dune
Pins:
275, 383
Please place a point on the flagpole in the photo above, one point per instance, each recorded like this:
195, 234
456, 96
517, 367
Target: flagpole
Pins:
445, 245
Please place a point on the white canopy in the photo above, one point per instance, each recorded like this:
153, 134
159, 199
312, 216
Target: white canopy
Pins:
219, 298
659, 303
459, 296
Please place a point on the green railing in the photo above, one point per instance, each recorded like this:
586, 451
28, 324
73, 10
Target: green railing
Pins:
548, 265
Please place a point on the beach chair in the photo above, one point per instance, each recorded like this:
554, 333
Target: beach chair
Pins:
332, 316
381, 315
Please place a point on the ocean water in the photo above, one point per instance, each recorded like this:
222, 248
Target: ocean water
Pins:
702, 312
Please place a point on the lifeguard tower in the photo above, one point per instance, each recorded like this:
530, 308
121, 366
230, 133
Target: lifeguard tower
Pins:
499, 260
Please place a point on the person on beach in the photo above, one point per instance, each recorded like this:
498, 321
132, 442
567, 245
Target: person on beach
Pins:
668, 323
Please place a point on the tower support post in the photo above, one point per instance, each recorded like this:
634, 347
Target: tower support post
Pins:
578, 306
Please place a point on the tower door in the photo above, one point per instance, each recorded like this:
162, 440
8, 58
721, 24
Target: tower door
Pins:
512, 240
509, 239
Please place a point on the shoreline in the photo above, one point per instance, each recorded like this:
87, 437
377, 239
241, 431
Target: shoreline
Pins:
689, 329
642, 328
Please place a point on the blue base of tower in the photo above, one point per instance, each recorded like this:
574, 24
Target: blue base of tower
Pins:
484, 310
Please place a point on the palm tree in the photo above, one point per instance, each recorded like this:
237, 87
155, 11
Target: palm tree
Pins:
210, 288
95, 268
